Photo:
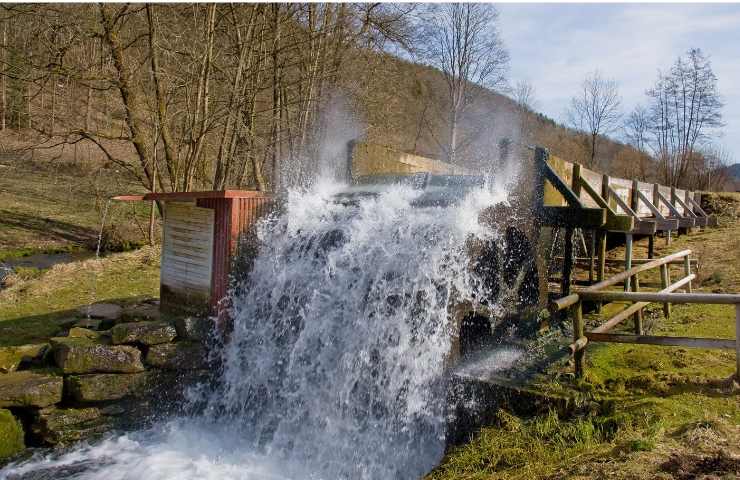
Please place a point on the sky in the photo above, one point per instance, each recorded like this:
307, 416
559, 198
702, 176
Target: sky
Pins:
555, 46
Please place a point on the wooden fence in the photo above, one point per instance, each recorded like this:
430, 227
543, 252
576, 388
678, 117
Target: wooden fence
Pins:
667, 295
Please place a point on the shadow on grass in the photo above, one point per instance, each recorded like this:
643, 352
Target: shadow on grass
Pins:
39, 328
49, 228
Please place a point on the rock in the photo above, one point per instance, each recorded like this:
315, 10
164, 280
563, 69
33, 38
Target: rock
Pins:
141, 312
104, 386
11, 435
177, 356
89, 323
104, 311
67, 322
12, 357
28, 389
193, 328
146, 333
82, 355
80, 332
61, 426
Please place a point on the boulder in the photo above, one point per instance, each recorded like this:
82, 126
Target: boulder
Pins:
193, 328
104, 386
12, 357
145, 333
11, 435
80, 332
141, 312
62, 426
104, 311
29, 389
82, 355
177, 356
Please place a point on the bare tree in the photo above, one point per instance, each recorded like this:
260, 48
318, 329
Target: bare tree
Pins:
463, 42
524, 95
595, 110
685, 110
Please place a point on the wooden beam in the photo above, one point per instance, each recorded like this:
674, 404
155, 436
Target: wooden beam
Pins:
614, 221
573, 217
571, 299
637, 307
706, 298
719, 343
555, 180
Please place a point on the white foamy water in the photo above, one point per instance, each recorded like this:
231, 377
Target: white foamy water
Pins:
335, 368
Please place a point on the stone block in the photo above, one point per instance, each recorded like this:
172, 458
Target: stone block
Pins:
12, 357
178, 356
145, 333
63, 426
104, 386
81, 355
29, 389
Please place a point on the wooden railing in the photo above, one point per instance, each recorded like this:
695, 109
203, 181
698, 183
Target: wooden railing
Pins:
666, 296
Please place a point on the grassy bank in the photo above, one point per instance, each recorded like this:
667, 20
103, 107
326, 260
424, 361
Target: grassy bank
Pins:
644, 411
45, 207
32, 309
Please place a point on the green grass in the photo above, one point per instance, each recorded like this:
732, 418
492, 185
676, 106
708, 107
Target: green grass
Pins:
31, 309
642, 406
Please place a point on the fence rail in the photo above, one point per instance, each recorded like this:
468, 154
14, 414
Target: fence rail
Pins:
666, 296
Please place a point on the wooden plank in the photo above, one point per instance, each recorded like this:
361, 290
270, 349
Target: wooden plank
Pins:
737, 342
572, 217
712, 343
570, 197
614, 222
707, 298
637, 307
187, 248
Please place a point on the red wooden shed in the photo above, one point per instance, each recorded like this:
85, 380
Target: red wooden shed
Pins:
201, 233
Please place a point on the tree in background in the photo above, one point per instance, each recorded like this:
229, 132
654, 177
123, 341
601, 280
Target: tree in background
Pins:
685, 109
462, 40
636, 129
595, 110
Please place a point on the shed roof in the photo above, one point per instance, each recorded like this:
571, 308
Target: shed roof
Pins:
186, 196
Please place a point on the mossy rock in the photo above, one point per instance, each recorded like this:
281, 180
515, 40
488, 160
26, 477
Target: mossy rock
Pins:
82, 355
80, 332
104, 386
193, 328
145, 333
11, 435
29, 389
12, 357
178, 356
63, 426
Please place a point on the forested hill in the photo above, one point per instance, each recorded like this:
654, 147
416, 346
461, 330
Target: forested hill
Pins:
405, 105
213, 96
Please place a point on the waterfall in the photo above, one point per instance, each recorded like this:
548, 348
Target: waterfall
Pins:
335, 367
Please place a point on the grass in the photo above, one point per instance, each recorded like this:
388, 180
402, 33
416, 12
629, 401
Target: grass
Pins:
32, 309
645, 411
43, 209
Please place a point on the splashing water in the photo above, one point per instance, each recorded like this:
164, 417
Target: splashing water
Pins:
335, 367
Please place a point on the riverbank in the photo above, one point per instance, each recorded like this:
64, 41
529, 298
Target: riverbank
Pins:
642, 411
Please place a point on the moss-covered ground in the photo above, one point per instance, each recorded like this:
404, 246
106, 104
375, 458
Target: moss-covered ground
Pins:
644, 411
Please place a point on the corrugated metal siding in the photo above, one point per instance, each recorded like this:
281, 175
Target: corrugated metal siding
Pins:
233, 217
187, 249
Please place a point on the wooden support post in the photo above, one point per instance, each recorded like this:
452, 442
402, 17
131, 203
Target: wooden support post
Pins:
567, 262
592, 255
601, 272
651, 246
668, 237
687, 270
737, 341
627, 259
579, 355
664, 282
